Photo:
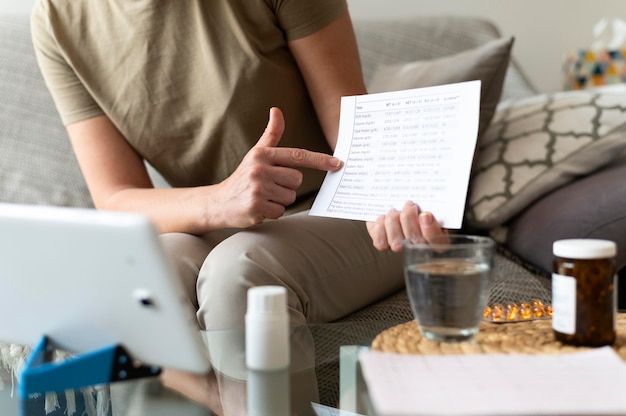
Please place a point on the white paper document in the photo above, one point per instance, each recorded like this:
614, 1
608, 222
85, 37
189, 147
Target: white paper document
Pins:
415, 145
590, 382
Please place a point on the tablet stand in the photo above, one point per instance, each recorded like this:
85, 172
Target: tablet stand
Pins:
107, 365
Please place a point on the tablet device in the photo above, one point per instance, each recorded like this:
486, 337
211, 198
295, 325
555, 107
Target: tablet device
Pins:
90, 279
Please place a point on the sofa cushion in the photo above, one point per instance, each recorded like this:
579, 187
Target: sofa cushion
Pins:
487, 63
37, 164
536, 145
591, 207
423, 38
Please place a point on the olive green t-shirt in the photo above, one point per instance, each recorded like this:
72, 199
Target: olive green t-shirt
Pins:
189, 83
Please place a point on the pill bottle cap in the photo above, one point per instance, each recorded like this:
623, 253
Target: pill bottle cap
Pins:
267, 300
584, 248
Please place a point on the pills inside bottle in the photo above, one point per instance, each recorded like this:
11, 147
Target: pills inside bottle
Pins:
584, 292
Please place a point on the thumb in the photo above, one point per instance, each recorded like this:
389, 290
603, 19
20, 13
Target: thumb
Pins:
274, 130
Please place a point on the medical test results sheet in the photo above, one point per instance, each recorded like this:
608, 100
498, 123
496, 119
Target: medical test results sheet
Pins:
404, 145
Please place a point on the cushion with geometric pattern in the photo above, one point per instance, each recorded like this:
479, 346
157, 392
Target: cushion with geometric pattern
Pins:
535, 145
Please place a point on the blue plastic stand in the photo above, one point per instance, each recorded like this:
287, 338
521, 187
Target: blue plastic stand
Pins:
40, 375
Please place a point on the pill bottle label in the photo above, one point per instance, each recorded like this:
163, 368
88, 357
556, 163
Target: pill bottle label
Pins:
564, 304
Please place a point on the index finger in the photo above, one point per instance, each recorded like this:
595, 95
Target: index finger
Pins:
302, 158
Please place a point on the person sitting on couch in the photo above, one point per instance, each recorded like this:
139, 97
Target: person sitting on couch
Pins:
187, 86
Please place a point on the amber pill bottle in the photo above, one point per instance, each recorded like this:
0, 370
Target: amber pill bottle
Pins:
584, 292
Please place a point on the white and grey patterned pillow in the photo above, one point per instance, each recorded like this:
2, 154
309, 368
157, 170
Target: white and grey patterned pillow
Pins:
537, 144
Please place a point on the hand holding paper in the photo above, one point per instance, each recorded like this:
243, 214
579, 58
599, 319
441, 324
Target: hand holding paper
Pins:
412, 145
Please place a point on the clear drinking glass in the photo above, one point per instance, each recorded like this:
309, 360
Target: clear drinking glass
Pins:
448, 284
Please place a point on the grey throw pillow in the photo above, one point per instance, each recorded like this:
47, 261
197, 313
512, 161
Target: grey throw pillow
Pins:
591, 207
487, 63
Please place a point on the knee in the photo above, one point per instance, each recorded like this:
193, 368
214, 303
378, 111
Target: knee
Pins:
233, 267
223, 283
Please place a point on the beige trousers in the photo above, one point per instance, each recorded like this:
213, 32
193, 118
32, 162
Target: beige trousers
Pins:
329, 267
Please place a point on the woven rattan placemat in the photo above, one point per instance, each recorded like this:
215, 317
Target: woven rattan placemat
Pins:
526, 337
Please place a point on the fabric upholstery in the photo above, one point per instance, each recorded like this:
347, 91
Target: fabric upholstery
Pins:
37, 164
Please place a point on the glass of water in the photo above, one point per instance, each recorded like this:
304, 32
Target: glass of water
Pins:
448, 284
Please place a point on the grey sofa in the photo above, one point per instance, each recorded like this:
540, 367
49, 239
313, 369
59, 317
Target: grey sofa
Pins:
37, 165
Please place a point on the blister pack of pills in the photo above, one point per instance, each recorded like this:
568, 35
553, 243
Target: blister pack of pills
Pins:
517, 312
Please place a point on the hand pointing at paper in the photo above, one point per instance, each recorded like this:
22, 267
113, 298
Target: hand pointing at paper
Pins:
389, 230
266, 180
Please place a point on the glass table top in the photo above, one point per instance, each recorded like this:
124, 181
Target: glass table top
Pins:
311, 378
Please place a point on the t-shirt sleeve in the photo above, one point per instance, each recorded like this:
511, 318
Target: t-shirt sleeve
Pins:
300, 18
72, 100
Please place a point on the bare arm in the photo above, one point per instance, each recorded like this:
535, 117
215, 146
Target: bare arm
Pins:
118, 180
331, 67
263, 184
